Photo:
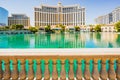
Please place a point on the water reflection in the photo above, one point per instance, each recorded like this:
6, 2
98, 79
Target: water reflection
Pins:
63, 40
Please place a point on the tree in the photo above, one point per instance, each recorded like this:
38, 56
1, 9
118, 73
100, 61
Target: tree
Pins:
33, 29
91, 27
62, 27
77, 28
98, 28
17, 26
48, 28
117, 26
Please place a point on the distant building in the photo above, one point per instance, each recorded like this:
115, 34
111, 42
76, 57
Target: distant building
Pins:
73, 15
108, 28
21, 19
105, 19
116, 15
3, 17
110, 18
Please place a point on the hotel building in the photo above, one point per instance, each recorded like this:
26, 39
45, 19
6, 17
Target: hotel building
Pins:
21, 19
110, 18
73, 15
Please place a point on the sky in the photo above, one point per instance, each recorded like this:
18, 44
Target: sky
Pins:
94, 8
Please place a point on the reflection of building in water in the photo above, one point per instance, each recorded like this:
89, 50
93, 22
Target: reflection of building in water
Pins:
105, 39
32, 41
18, 41
66, 40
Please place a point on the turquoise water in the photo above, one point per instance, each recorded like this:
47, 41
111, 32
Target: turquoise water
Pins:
61, 40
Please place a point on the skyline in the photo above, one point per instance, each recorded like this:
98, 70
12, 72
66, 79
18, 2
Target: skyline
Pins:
91, 7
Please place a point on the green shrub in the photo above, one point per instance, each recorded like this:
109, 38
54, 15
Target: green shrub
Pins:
117, 26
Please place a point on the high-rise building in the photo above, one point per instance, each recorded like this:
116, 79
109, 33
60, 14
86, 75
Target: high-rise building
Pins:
116, 14
21, 19
73, 15
3, 17
105, 19
112, 17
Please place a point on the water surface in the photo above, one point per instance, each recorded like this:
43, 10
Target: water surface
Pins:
61, 40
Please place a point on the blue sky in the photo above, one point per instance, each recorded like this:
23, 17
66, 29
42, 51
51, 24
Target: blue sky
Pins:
94, 8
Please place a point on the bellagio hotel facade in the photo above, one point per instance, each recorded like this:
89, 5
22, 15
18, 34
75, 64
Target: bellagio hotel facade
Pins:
73, 15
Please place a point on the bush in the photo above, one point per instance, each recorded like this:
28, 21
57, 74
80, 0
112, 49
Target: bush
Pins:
77, 28
48, 28
33, 29
117, 26
17, 27
97, 28
62, 27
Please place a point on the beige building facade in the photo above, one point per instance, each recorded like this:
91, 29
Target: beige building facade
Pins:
73, 15
21, 19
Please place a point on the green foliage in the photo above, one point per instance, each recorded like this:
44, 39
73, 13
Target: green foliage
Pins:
77, 28
62, 27
4, 28
98, 28
17, 27
33, 29
48, 28
117, 26
91, 28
